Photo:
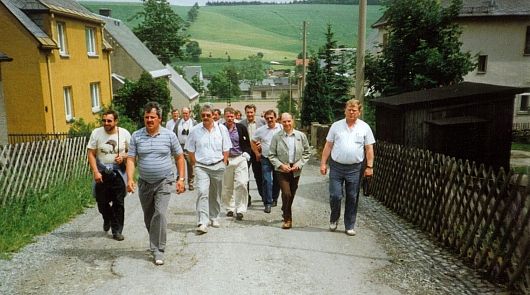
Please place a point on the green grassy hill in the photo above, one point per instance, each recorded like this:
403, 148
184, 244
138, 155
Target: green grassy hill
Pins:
274, 30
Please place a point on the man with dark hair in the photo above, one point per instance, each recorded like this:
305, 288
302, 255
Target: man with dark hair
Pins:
263, 137
208, 147
235, 180
152, 147
107, 153
252, 123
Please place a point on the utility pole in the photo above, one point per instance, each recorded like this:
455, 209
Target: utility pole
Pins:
304, 47
361, 40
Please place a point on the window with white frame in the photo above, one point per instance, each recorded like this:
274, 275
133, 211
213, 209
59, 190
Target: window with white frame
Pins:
68, 105
482, 64
94, 94
524, 102
91, 41
61, 39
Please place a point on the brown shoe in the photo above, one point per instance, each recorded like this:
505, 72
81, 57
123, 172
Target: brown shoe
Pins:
287, 224
190, 187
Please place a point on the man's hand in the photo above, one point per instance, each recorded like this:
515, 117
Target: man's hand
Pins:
323, 168
368, 172
285, 168
131, 186
98, 178
180, 186
118, 159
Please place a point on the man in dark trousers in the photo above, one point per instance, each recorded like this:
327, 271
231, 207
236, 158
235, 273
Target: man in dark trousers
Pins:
251, 122
107, 153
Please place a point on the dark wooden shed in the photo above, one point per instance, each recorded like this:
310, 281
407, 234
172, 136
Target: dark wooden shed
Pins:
468, 121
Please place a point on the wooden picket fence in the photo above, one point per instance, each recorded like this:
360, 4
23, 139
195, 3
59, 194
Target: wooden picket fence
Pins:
34, 166
480, 214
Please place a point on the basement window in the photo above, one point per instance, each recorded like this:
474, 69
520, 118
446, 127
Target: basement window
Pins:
482, 64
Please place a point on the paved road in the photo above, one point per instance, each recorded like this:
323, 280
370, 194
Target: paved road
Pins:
253, 256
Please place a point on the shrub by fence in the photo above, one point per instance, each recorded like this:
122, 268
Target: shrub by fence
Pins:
34, 166
482, 215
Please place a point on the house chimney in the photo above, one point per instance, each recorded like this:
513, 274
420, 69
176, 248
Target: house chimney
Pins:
105, 12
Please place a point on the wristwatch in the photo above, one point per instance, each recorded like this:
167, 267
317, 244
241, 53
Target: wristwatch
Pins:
181, 179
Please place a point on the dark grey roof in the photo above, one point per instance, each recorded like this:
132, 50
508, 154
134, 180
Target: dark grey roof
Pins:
476, 8
4, 57
493, 7
67, 7
44, 40
181, 85
453, 93
121, 34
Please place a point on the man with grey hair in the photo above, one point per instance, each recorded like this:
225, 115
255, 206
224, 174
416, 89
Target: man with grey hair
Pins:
182, 130
208, 145
152, 148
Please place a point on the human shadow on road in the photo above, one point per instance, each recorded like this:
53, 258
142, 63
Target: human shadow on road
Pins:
81, 235
90, 256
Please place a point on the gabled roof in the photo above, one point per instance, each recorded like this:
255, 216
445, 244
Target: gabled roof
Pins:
44, 40
64, 7
462, 92
181, 85
495, 8
191, 71
126, 39
482, 8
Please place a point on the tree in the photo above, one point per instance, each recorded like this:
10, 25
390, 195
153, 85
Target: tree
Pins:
161, 29
286, 104
225, 84
423, 49
316, 105
252, 69
132, 97
342, 86
193, 13
197, 84
193, 50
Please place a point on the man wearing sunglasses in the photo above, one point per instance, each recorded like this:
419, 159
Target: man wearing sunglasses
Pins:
107, 153
208, 145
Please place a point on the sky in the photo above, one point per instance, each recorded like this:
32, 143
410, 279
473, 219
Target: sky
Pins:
190, 2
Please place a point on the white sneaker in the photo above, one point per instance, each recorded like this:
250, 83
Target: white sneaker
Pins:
333, 226
215, 223
202, 229
350, 232
159, 262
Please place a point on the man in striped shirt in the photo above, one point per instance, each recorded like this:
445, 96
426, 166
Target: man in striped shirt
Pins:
152, 148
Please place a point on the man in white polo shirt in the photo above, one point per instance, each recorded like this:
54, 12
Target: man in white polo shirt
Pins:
348, 141
208, 145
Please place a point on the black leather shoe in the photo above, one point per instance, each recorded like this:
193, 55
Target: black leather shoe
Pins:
239, 216
267, 209
229, 213
274, 203
118, 237
106, 225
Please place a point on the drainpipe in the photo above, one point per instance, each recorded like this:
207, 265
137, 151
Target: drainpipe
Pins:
50, 84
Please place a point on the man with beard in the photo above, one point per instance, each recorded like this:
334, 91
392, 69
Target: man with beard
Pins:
107, 153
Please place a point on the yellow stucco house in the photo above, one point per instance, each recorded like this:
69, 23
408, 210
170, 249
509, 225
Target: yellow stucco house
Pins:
61, 65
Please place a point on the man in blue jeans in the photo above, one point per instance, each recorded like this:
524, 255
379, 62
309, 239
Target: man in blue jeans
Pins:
263, 136
348, 142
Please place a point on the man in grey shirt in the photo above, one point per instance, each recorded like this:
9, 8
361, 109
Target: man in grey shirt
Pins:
152, 148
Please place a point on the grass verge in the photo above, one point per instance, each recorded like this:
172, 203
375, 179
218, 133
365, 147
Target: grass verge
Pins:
21, 222
521, 146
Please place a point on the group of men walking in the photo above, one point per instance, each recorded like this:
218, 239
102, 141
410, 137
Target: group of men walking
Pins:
215, 158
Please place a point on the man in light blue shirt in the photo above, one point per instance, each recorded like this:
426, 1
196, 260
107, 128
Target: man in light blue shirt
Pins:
152, 148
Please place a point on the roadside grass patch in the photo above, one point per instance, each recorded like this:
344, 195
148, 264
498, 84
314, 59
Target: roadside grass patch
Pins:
21, 222
521, 146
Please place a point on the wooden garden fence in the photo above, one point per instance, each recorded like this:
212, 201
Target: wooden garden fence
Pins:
481, 215
34, 166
